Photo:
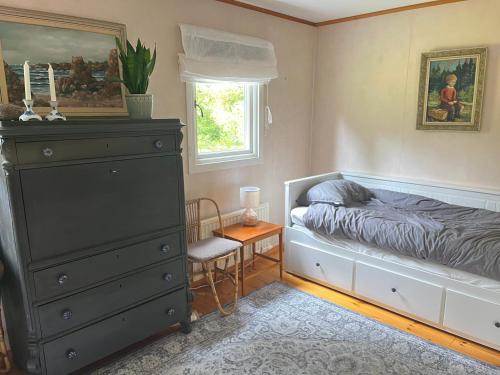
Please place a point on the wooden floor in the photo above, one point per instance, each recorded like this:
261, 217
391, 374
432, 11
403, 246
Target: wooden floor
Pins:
263, 275
204, 304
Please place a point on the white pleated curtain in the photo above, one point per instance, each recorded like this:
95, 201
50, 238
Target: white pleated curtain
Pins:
212, 55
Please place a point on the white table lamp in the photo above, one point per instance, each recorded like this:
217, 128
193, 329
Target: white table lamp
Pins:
250, 200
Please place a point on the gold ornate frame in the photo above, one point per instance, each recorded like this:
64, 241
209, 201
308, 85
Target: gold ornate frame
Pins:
481, 53
39, 18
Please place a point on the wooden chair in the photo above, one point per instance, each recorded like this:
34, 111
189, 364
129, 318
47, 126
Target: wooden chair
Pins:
211, 250
4, 356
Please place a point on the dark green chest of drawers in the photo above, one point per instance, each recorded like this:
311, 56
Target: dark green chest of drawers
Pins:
93, 238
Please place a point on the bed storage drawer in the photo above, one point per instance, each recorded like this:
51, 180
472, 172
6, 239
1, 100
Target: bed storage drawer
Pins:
406, 294
474, 317
85, 346
320, 265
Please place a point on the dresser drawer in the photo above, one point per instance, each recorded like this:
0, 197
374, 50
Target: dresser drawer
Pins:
403, 293
87, 345
320, 265
80, 308
474, 317
77, 207
74, 149
78, 274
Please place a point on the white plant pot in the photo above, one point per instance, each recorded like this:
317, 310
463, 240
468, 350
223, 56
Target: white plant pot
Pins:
140, 106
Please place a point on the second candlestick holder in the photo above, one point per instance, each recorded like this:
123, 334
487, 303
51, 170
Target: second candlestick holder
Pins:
54, 114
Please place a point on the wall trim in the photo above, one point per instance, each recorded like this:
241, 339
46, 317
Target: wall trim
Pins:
339, 20
267, 11
387, 11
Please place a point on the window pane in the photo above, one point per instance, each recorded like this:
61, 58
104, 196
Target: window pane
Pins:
220, 117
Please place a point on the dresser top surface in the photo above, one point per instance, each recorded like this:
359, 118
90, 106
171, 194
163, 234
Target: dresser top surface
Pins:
33, 128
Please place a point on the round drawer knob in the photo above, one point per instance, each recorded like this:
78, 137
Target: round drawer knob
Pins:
170, 312
393, 290
165, 249
47, 152
71, 354
159, 144
67, 314
61, 279
497, 324
167, 277
318, 265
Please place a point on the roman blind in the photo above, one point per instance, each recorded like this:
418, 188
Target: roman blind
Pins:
213, 55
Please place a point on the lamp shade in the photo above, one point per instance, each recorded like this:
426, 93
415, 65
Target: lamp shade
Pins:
249, 196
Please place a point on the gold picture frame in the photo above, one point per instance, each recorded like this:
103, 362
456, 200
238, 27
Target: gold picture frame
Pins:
101, 97
451, 89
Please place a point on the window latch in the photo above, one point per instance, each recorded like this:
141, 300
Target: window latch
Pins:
196, 105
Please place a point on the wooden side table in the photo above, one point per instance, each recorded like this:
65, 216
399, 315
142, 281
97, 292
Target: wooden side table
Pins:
250, 236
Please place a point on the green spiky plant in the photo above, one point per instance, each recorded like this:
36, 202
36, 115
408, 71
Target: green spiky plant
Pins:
138, 65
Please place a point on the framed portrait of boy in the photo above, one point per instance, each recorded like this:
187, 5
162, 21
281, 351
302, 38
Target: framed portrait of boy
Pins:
451, 89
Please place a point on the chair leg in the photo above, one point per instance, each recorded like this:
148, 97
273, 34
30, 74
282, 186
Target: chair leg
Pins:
215, 271
208, 273
191, 273
226, 263
3, 354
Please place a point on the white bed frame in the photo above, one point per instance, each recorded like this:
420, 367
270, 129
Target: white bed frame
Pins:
461, 308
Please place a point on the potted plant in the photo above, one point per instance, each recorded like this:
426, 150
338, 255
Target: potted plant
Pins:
138, 65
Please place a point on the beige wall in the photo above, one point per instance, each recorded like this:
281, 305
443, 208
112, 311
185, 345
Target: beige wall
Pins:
365, 91
286, 145
366, 96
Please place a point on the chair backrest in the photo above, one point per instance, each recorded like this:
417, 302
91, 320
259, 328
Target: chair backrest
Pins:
193, 218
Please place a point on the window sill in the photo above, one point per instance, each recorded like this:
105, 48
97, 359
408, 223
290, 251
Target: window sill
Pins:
208, 165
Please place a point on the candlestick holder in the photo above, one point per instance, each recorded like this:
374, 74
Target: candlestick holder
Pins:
55, 115
28, 114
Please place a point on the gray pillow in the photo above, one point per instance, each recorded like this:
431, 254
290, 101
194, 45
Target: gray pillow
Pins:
335, 192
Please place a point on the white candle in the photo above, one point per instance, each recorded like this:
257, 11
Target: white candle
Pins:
27, 82
52, 84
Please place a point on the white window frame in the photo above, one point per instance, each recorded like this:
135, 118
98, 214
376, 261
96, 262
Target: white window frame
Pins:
200, 162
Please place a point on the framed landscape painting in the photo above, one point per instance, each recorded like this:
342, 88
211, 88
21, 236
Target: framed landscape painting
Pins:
451, 89
82, 53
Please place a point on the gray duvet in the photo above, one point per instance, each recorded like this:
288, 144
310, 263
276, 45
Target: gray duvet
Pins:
463, 238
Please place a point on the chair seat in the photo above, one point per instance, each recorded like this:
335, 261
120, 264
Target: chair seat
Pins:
211, 248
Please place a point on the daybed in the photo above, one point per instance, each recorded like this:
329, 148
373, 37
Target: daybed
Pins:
450, 299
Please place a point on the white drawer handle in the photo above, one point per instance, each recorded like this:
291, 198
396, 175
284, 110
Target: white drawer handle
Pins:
71, 354
159, 144
62, 278
47, 152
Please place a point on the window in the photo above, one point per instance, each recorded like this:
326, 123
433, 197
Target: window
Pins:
224, 125
225, 116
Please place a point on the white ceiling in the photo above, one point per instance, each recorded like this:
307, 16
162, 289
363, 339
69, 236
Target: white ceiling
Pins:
324, 10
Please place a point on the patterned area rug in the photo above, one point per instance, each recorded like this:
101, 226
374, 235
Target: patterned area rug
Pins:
280, 330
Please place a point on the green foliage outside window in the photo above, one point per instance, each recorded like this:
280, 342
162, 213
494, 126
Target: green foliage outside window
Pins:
220, 117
